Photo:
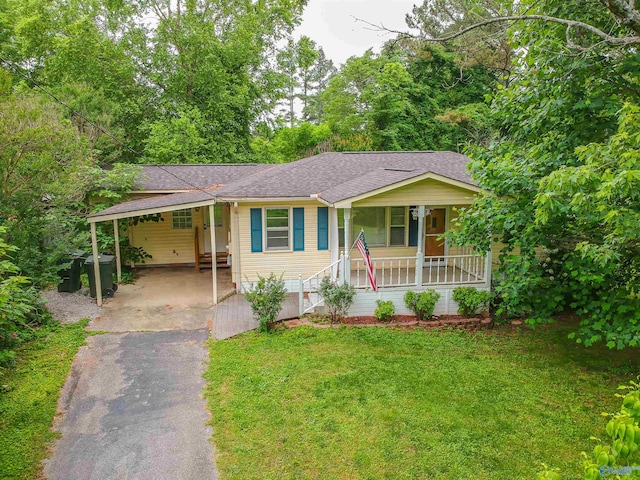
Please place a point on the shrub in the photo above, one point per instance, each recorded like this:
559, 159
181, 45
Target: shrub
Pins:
338, 298
385, 310
471, 300
21, 308
266, 298
422, 304
623, 448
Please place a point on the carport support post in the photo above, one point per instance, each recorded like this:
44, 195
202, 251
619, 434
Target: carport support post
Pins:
116, 236
214, 266
96, 264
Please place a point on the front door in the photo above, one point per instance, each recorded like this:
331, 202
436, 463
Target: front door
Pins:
434, 226
221, 226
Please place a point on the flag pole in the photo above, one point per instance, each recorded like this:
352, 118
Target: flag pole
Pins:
356, 240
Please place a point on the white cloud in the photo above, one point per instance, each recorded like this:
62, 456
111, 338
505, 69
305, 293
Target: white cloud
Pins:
332, 24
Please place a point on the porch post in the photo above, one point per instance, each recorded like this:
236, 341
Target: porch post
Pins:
96, 264
420, 249
116, 237
347, 245
334, 242
487, 267
214, 263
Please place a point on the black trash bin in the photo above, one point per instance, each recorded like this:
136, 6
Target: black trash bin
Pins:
70, 272
107, 264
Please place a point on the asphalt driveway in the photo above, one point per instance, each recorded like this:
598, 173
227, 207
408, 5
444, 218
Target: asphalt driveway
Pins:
133, 410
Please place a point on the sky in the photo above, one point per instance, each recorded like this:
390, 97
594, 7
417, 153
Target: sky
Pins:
331, 24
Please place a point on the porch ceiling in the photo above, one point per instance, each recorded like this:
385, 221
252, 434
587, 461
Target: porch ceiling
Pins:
155, 204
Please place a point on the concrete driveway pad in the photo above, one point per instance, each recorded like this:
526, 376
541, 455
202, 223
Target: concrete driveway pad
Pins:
133, 409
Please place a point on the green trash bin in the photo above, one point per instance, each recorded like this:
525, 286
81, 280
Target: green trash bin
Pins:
107, 264
70, 273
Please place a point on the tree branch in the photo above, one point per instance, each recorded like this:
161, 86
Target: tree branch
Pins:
610, 39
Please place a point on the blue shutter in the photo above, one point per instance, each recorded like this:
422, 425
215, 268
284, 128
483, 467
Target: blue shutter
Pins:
413, 230
298, 229
256, 229
323, 228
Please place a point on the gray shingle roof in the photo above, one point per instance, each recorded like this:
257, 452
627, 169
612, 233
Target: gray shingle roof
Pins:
156, 202
332, 176
337, 176
191, 177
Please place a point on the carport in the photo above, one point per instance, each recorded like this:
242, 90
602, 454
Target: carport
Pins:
150, 206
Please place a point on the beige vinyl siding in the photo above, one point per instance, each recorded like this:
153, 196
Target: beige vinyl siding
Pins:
426, 192
387, 252
166, 244
292, 264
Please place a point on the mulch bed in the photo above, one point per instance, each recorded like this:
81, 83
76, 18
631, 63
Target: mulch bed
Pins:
399, 321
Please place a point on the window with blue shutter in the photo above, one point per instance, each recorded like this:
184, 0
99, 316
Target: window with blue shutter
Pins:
413, 229
298, 229
323, 228
256, 229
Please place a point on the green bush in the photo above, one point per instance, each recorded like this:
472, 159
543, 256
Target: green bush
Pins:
622, 449
385, 310
21, 308
338, 298
471, 300
422, 304
266, 298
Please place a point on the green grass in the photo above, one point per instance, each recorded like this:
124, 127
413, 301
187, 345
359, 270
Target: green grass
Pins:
374, 403
29, 396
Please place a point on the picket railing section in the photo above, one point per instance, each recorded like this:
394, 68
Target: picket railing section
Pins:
454, 270
309, 290
390, 272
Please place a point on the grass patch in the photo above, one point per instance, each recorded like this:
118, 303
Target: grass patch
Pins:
29, 396
377, 403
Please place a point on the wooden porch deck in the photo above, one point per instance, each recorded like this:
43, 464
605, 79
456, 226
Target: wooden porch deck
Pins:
234, 316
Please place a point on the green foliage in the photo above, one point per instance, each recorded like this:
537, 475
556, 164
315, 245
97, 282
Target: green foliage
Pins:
470, 300
21, 309
385, 310
29, 396
407, 100
338, 298
422, 304
561, 181
266, 298
291, 143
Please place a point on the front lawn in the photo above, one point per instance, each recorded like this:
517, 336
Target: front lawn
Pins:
378, 403
29, 396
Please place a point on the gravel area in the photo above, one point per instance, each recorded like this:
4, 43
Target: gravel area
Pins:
71, 307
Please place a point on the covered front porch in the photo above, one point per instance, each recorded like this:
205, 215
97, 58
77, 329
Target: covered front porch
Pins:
408, 251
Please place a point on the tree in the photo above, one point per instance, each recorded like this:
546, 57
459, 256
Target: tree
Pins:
555, 255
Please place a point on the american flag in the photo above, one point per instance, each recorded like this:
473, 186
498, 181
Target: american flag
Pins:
364, 251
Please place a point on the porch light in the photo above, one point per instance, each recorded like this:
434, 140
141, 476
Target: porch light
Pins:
415, 212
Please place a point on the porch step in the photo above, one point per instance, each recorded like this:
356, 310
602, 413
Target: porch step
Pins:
206, 260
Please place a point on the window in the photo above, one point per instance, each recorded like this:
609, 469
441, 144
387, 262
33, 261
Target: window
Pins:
181, 219
372, 221
397, 226
277, 228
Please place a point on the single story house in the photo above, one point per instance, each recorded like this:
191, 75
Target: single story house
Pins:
300, 220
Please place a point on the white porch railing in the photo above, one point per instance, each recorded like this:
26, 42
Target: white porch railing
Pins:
390, 272
309, 290
441, 270
454, 270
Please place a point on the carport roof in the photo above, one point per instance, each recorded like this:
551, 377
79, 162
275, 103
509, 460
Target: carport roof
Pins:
155, 204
